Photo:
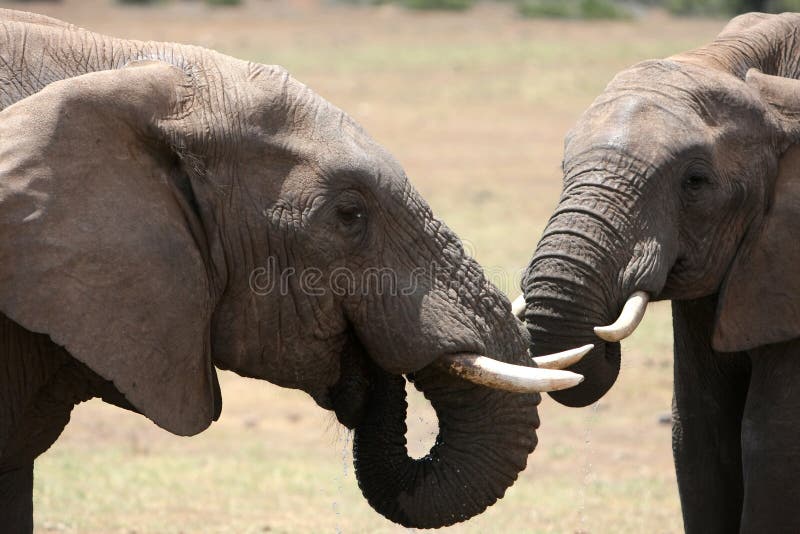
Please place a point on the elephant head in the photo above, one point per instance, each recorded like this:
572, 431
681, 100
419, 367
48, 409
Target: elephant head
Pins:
160, 220
680, 181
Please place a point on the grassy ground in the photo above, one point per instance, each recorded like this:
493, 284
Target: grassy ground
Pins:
475, 105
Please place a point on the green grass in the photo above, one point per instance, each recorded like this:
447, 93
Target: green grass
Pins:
573, 9
119, 490
449, 5
224, 2
141, 2
459, 53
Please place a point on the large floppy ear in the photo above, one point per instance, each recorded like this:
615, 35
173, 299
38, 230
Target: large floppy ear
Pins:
99, 246
760, 298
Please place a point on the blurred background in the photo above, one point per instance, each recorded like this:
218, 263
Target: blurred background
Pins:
474, 99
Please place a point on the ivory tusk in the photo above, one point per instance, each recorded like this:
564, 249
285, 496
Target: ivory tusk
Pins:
505, 376
518, 307
561, 360
628, 320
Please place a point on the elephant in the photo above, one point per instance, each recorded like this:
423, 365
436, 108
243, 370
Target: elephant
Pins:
682, 183
166, 210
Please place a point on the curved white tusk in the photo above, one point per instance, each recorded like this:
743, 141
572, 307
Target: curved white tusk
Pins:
628, 320
518, 307
561, 360
505, 376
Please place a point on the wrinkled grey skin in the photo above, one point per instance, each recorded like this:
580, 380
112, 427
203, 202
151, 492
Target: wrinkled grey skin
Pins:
683, 180
153, 199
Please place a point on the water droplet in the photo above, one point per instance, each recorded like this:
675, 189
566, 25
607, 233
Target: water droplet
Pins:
587, 466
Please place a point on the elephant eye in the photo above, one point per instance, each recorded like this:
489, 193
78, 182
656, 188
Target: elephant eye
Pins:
352, 221
694, 183
350, 215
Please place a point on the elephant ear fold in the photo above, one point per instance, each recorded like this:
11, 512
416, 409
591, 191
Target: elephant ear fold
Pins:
782, 99
760, 299
99, 247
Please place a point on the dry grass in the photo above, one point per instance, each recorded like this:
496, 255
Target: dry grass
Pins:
475, 105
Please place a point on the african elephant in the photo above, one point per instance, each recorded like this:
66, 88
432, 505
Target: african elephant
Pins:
682, 182
151, 196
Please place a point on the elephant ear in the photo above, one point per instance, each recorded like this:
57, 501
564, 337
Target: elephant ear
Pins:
760, 299
99, 248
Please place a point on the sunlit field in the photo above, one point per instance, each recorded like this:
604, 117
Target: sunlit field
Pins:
475, 106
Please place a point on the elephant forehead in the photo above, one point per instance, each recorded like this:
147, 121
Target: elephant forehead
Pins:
685, 89
657, 109
634, 124
283, 117
273, 102
633, 119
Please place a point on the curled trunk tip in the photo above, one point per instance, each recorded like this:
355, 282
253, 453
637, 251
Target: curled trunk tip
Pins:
485, 437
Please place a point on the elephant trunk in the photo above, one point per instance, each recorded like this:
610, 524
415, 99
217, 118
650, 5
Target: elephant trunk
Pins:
591, 259
485, 437
560, 318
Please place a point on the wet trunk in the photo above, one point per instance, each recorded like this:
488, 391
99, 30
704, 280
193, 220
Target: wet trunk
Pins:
484, 440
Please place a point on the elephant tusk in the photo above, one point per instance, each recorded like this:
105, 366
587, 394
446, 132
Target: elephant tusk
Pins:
518, 307
505, 376
628, 320
561, 360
